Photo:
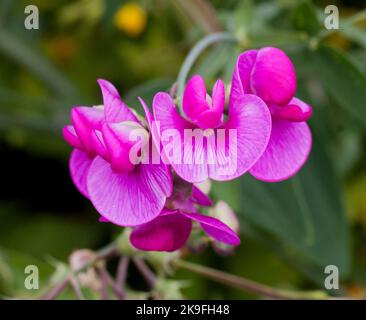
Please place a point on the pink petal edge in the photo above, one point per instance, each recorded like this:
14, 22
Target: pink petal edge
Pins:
287, 151
215, 228
168, 232
129, 199
79, 166
115, 109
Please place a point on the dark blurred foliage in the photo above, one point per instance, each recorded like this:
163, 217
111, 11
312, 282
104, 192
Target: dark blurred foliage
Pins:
290, 230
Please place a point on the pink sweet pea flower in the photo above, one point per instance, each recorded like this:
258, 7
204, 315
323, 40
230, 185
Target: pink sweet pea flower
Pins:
218, 148
172, 228
123, 190
270, 74
84, 120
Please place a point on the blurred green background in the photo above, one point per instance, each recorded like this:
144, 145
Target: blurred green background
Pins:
290, 230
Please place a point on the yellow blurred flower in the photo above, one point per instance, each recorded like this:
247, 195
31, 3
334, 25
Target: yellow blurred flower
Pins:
131, 18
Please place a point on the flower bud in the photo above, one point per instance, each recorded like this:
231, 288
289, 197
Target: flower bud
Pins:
204, 186
273, 76
87, 278
223, 212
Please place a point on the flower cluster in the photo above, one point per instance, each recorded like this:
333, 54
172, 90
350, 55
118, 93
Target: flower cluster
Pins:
269, 74
143, 173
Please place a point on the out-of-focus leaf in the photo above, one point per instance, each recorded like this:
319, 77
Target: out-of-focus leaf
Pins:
146, 91
17, 262
304, 213
343, 79
213, 62
355, 34
360, 58
5, 5
6, 275
347, 151
276, 38
20, 52
254, 254
356, 199
249, 17
304, 18
89, 10
230, 64
47, 235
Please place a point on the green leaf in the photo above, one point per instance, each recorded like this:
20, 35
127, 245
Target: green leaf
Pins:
13, 276
277, 38
304, 18
219, 55
27, 56
146, 91
248, 16
47, 235
360, 58
343, 79
355, 34
304, 214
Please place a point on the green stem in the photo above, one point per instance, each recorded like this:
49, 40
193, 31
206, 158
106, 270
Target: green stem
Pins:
195, 53
248, 285
56, 290
108, 251
148, 275
356, 18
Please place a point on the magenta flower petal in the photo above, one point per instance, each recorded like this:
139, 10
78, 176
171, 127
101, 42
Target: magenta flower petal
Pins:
241, 77
273, 76
79, 167
99, 145
115, 109
71, 137
102, 219
168, 232
119, 144
149, 117
154, 143
85, 120
200, 198
268, 73
250, 120
194, 97
128, 199
295, 111
218, 97
170, 121
287, 151
215, 228
197, 105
